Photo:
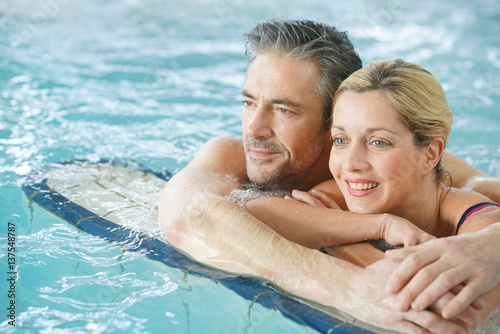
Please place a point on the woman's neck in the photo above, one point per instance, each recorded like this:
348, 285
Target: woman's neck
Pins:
422, 207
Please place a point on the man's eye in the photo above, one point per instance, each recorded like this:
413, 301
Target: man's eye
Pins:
284, 110
338, 141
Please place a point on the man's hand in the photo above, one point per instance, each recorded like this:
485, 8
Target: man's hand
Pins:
372, 304
438, 266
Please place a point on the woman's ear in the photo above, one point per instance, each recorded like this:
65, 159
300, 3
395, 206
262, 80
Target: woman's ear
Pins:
433, 153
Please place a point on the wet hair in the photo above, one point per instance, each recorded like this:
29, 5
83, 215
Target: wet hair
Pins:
414, 92
319, 43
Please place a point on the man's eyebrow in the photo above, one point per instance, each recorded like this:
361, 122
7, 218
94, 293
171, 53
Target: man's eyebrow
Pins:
284, 101
244, 92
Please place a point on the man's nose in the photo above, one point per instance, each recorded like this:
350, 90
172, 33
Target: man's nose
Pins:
260, 125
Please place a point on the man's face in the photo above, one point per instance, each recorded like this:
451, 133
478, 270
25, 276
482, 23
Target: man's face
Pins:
282, 130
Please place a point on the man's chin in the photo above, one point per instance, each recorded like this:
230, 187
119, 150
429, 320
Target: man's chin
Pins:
262, 176
262, 180
269, 181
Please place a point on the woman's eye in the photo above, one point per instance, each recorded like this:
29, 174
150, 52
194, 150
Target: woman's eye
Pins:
380, 143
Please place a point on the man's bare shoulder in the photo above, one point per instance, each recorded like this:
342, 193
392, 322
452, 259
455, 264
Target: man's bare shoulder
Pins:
221, 155
224, 144
221, 149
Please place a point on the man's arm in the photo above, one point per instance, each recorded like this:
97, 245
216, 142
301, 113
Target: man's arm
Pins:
467, 177
475, 257
198, 220
472, 258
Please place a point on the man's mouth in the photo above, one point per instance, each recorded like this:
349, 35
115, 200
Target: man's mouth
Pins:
261, 154
260, 150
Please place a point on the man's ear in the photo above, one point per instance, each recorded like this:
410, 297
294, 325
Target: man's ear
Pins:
433, 153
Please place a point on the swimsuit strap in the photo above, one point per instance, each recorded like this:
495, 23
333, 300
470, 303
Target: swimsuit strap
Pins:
473, 209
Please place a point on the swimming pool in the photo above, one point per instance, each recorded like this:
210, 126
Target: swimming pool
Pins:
151, 81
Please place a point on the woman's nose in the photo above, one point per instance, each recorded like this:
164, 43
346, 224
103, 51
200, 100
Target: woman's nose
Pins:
356, 159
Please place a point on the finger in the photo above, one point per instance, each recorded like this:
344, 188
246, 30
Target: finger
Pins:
413, 239
416, 237
469, 315
435, 323
465, 297
422, 279
444, 282
297, 200
327, 200
408, 268
402, 252
423, 237
307, 198
410, 327
479, 303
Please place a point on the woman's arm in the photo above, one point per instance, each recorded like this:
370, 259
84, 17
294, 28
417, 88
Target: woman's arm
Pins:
319, 226
361, 254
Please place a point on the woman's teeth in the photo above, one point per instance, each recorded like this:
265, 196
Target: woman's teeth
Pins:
362, 186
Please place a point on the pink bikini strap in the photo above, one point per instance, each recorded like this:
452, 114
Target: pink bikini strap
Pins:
473, 209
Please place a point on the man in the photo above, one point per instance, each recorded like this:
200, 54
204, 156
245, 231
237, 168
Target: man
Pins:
296, 66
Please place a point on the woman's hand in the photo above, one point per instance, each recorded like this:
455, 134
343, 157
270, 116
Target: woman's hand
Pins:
398, 231
315, 198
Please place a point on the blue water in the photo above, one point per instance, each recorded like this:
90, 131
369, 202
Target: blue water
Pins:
151, 81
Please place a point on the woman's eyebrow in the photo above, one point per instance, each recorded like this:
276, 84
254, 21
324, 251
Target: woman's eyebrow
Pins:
341, 128
380, 129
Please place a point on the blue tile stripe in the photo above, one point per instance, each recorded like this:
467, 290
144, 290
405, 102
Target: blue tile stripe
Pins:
250, 288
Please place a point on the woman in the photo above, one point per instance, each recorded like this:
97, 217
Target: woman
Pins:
390, 125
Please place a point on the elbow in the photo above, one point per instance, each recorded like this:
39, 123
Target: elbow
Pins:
183, 217
171, 218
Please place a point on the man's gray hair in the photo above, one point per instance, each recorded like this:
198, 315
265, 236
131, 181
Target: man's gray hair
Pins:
319, 43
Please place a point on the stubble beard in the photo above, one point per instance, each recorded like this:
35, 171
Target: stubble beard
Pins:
288, 174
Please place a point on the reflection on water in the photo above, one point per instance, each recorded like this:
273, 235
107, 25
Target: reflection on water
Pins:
130, 79
151, 81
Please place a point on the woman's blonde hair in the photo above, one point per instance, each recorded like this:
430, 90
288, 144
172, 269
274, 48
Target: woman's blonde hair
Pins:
413, 91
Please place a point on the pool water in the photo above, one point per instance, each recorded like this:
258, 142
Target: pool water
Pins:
151, 81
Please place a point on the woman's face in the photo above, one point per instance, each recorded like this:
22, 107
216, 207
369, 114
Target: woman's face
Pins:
373, 159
